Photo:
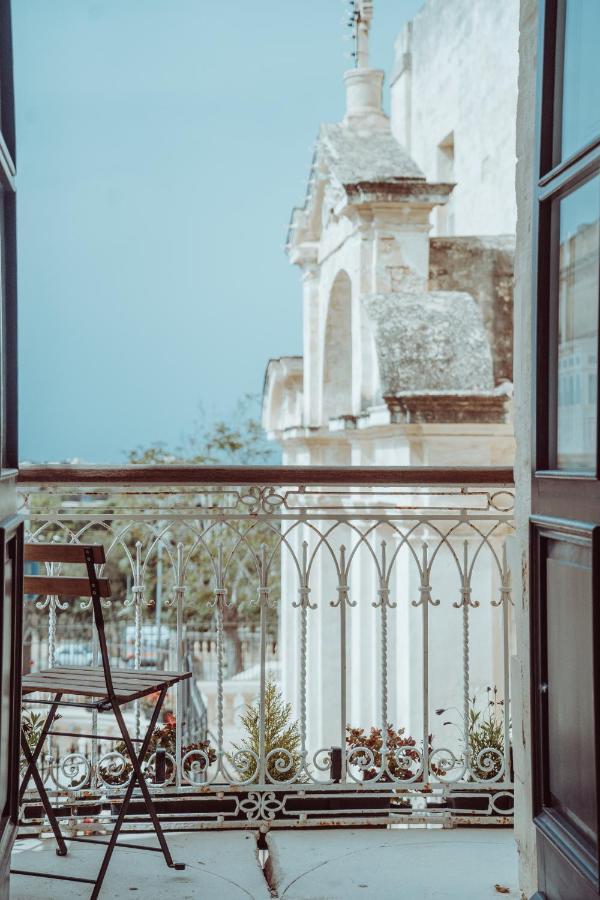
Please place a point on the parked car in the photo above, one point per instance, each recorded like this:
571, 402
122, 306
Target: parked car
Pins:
72, 654
154, 645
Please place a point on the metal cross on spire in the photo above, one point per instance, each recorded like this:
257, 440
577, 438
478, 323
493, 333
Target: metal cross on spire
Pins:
361, 16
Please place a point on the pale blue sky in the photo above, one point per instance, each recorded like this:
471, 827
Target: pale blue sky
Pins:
161, 145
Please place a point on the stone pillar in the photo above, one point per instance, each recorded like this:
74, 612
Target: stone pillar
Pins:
310, 288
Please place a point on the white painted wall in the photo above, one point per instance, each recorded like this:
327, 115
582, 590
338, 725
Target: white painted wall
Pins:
455, 73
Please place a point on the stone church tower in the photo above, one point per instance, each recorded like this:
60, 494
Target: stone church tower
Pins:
407, 337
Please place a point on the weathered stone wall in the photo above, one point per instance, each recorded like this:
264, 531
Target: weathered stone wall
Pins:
429, 342
482, 266
455, 74
521, 709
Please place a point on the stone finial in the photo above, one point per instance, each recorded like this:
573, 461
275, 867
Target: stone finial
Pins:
363, 15
364, 99
364, 85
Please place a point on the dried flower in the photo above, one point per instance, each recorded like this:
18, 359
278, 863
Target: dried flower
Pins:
485, 725
403, 759
163, 737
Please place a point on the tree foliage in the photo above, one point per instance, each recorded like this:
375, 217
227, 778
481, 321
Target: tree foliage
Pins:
236, 440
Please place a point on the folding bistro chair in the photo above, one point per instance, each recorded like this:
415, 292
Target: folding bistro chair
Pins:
100, 688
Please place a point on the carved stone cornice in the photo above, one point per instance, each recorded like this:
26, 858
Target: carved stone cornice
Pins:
480, 408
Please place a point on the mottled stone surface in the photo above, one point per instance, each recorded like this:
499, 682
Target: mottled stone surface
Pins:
219, 865
364, 156
483, 266
393, 864
429, 342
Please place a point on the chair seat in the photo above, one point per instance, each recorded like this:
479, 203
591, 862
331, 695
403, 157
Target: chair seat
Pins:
128, 684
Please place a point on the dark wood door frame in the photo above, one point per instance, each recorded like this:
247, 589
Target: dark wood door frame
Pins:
11, 603
564, 532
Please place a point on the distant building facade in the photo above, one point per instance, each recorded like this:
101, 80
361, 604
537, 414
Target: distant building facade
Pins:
453, 101
405, 246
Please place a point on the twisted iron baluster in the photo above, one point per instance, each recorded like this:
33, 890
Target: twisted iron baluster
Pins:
466, 606
220, 597
138, 597
179, 591
263, 599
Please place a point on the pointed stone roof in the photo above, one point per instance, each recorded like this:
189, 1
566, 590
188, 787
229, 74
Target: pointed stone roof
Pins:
360, 165
356, 156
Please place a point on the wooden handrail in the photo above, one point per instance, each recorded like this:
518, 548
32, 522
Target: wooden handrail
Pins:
189, 475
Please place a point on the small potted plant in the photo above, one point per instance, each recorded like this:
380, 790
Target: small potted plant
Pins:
282, 733
402, 762
485, 730
32, 723
118, 773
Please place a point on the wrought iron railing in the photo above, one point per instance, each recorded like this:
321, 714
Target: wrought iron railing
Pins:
195, 713
391, 593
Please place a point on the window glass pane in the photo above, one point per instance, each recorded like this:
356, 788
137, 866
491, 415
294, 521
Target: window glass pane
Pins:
578, 327
581, 78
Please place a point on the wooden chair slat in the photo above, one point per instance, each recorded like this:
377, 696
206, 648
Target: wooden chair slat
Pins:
62, 553
63, 586
90, 682
93, 671
89, 677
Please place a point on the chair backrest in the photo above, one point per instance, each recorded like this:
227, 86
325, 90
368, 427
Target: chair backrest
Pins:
64, 585
67, 553
89, 555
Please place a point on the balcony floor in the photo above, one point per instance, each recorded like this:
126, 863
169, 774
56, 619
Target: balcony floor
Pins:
399, 864
394, 864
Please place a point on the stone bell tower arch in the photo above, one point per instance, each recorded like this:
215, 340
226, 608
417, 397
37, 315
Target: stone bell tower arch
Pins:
336, 386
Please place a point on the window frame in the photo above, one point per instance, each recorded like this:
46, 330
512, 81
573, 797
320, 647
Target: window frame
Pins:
555, 179
9, 450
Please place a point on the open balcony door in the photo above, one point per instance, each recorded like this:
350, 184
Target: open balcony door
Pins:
565, 521
11, 529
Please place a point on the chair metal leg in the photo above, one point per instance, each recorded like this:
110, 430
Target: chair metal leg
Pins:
38, 747
136, 763
113, 838
51, 875
61, 850
33, 772
136, 777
